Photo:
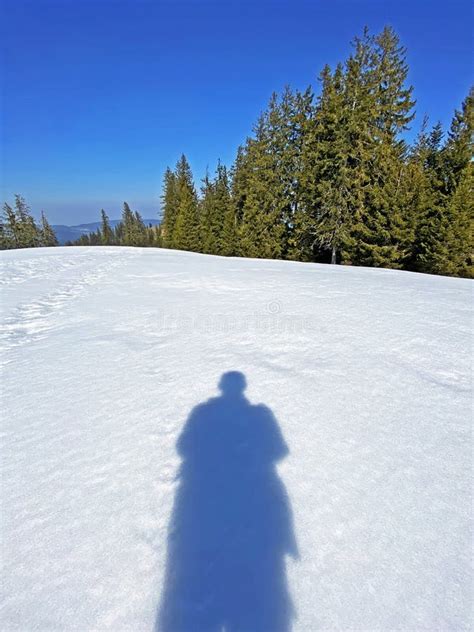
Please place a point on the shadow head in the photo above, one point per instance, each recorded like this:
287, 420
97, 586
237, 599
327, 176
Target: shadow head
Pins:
232, 384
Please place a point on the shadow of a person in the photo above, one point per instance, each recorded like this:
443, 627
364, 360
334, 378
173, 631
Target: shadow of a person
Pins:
231, 525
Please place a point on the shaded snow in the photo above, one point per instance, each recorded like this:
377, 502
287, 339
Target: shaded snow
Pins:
366, 375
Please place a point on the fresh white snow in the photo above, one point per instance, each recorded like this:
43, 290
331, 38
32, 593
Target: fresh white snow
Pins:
364, 374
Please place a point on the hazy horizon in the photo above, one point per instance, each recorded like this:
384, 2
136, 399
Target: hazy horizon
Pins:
89, 212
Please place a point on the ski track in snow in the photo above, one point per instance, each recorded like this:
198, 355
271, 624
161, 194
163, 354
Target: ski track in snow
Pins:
33, 319
105, 351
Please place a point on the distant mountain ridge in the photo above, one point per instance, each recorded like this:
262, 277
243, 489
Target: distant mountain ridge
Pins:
71, 233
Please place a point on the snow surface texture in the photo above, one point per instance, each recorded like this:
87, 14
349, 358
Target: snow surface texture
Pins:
336, 497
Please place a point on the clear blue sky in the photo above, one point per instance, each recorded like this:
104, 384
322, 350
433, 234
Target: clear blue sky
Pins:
99, 96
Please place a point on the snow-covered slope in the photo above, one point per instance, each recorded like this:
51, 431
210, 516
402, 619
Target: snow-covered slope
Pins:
346, 495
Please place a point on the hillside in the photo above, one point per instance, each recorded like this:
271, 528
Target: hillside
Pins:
141, 489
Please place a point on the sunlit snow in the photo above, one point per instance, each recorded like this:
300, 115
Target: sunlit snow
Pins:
324, 485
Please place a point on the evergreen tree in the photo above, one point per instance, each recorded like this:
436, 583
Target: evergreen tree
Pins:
95, 238
107, 234
11, 229
141, 238
239, 179
459, 147
429, 197
216, 214
227, 221
4, 241
230, 244
270, 178
118, 234
443, 241
28, 234
459, 242
128, 222
299, 113
261, 229
47, 234
222, 202
155, 236
19, 229
239, 176
169, 207
382, 231
133, 229
186, 233
328, 178
209, 232
287, 126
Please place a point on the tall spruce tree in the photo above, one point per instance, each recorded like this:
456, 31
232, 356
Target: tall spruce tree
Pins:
383, 230
209, 232
107, 234
327, 175
186, 234
222, 217
47, 234
128, 223
261, 229
228, 233
430, 198
217, 214
169, 207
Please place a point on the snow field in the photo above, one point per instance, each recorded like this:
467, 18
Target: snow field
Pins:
106, 351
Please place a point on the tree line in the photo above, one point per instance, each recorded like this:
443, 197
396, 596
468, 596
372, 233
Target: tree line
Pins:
331, 178
130, 231
18, 228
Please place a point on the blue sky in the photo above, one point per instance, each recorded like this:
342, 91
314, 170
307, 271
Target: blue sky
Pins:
99, 96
